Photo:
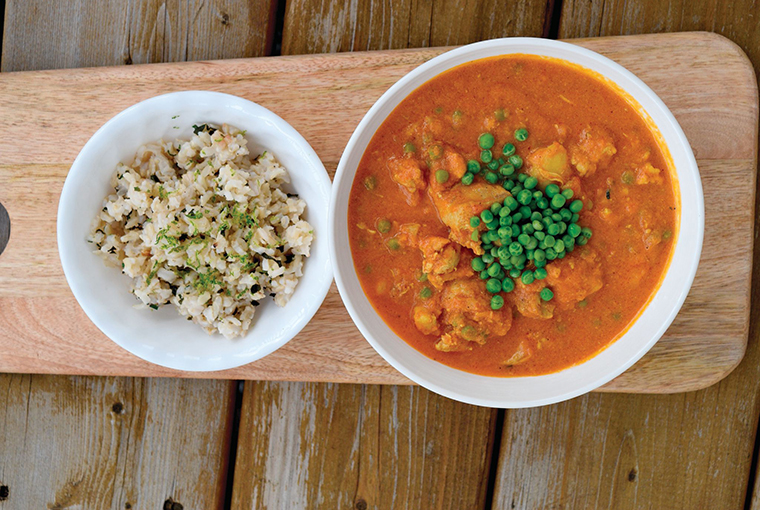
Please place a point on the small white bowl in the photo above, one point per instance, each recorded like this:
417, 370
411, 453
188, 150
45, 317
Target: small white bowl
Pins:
518, 392
164, 337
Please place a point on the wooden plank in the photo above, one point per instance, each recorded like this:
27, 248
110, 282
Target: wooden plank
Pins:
84, 33
96, 442
693, 354
686, 451
318, 26
305, 445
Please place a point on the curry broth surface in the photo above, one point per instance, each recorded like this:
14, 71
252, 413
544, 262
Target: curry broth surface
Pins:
537, 93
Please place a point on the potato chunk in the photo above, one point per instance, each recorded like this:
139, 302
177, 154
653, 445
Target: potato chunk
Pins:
549, 164
574, 278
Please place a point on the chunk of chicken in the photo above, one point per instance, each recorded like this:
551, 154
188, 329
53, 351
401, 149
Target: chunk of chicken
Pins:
443, 260
595, 148
408, 173
458, 204
528, 302
521, 355
575, 277
468, 316
549, 164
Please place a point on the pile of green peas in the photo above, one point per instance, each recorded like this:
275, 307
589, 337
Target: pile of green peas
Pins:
526, 231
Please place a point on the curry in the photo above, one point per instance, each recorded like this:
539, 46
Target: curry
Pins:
513, 216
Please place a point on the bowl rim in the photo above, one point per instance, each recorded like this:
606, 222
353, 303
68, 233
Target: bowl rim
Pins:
517, 45
313, 299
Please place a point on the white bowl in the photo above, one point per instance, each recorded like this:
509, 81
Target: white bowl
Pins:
163, 336
545, 389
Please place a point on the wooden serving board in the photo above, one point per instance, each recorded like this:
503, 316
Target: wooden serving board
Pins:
47, 116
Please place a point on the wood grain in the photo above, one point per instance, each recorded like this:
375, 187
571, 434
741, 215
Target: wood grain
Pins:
685, 451
89, 33
319, 26
691, 355
93, 443
359, 446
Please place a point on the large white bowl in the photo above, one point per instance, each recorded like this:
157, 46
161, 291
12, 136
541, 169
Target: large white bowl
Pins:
164, 337
545, 389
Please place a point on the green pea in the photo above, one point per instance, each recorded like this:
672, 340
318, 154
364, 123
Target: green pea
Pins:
486, 216
504, 232
515, 249
530, 183
537, 225
551, 254
546, 294
486, 156
492, 177
521, 178
504, 212
627, 177
441, 176
667, 234
497, 302
542, 203
426, 292
540, 273
574, 218
493, 270
559, 246
565, 214
503, 252
558, 201
523, 239
508, 149
551, 190
549, 240
475, 236
393, 244
540, 263
493, 285
516, 189
561, 255
521, 135
484, 275
586, 232
493, 165
495, 208
511, 203
508, 184
370, 182
474, 222
409, 147
486, 141
516, 161
556, 217
527, 277
473, 166
529, 253
539, 255
535, 215
574, 230
501, 161
508, 285
515, 272
532, 244
539, 235
383, 226
478, 264
528, 229
576, 206
552, 229
569, 242
525, 211
468, 178
524, 197
516, 217
500, 115
581, 241
507, 170
567, 193
435, 152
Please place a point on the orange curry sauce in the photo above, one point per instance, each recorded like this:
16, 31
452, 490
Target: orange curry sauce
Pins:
633, 218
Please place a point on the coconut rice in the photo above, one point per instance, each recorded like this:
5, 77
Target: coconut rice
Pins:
202, 225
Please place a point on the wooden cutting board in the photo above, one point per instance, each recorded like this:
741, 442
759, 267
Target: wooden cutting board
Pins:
47, 116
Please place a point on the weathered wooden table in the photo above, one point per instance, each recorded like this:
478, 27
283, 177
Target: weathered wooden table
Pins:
109, 442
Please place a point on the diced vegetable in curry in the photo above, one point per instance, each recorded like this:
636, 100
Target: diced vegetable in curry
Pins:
512, 216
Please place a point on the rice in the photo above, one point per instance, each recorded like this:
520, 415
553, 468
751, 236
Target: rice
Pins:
201, 225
